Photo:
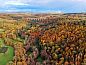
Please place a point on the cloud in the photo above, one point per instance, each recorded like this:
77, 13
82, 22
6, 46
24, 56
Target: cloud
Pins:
15, 3
26, 2
79, 0
43, 5
18, 10
36, 2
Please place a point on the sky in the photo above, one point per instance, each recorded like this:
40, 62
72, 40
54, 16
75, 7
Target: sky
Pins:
65, 6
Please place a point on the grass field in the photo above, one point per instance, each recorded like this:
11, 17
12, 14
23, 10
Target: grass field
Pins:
7, 56
1, 42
